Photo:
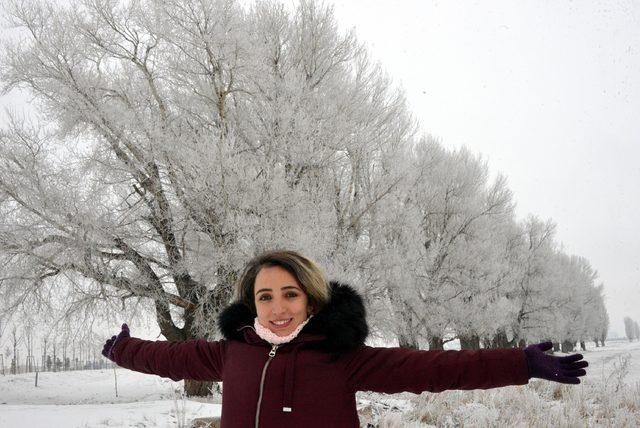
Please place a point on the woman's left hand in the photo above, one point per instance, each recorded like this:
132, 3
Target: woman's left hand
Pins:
558, 369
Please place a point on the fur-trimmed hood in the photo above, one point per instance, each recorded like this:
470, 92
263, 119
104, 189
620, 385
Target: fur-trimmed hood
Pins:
340, 325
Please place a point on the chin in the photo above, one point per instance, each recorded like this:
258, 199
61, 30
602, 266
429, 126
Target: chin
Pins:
284, 332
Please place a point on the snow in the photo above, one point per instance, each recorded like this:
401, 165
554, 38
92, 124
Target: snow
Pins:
608, 396
135, 414
87, 398
603, 361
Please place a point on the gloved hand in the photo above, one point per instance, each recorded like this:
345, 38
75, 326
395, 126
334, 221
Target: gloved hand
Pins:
558, 369
107, 350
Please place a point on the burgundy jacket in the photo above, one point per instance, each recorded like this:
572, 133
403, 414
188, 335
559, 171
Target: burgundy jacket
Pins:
311, 381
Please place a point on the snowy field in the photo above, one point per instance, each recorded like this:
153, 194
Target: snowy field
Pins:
87, 399
609, 396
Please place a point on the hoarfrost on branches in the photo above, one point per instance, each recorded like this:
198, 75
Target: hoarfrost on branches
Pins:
177, 139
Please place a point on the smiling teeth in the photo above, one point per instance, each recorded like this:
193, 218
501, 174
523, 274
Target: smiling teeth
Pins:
281, 322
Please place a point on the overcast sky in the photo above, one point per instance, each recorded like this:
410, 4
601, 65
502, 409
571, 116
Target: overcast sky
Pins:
548, 92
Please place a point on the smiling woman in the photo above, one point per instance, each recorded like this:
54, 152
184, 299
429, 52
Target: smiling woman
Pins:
294, 353
281, 304
303, 273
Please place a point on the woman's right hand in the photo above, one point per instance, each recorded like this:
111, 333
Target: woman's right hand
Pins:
107, 350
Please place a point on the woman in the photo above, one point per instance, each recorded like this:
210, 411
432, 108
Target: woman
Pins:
293, 353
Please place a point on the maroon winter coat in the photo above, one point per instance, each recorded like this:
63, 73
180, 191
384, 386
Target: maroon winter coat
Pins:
311, 381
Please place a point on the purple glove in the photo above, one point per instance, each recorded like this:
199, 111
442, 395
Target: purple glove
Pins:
558, 369
107, 351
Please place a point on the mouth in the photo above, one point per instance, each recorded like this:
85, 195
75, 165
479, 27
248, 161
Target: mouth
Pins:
280, 324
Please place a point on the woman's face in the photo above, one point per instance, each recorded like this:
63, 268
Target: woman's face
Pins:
280, 302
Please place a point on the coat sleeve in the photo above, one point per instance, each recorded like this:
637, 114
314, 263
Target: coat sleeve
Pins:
392, 370
191, 359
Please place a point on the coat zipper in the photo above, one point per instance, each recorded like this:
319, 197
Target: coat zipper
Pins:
272, 354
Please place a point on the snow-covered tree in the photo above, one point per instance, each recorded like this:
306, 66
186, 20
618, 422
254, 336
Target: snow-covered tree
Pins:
629, 328
598, 320
176, 139
451, 207
534, 284
578, 295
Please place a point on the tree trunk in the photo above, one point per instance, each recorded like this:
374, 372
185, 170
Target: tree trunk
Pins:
194, 388
597, 343
567, 346
406, 341
435, 343
556, 346
584, 348
405, 331
602, 339
500, 341
469, 342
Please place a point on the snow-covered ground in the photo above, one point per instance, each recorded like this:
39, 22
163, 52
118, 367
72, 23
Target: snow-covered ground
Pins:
609, 396
88, 399
603, 361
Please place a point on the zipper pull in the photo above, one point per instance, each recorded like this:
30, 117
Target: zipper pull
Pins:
272, 353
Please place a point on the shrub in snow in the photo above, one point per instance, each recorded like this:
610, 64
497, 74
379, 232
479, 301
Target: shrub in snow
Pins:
593, 403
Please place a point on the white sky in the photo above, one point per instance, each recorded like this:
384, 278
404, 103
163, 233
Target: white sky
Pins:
547, 91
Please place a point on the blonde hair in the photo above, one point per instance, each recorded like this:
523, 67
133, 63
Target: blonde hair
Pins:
310, 277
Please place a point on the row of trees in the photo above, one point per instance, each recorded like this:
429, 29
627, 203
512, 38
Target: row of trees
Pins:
179, 138
28, 349
631, 329
480, 273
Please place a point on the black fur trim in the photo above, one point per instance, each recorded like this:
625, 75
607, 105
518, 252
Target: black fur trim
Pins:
342, 321
232, 318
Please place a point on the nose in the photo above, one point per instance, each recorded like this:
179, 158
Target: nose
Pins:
277, 307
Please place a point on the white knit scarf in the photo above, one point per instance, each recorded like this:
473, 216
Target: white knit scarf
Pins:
273, 338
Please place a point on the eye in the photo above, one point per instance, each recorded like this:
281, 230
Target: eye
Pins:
291, 295
264, 297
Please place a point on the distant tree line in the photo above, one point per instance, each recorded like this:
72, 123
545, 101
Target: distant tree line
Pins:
26, 349
175, 142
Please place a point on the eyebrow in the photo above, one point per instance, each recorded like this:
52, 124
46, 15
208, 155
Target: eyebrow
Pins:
288, 287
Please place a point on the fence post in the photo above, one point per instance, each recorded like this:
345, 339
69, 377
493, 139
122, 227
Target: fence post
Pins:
115, 379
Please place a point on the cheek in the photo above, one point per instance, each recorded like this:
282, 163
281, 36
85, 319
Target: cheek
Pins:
261, 312
305, 308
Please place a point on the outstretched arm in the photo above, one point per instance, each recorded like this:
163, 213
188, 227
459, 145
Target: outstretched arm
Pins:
192, 359
392, 370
